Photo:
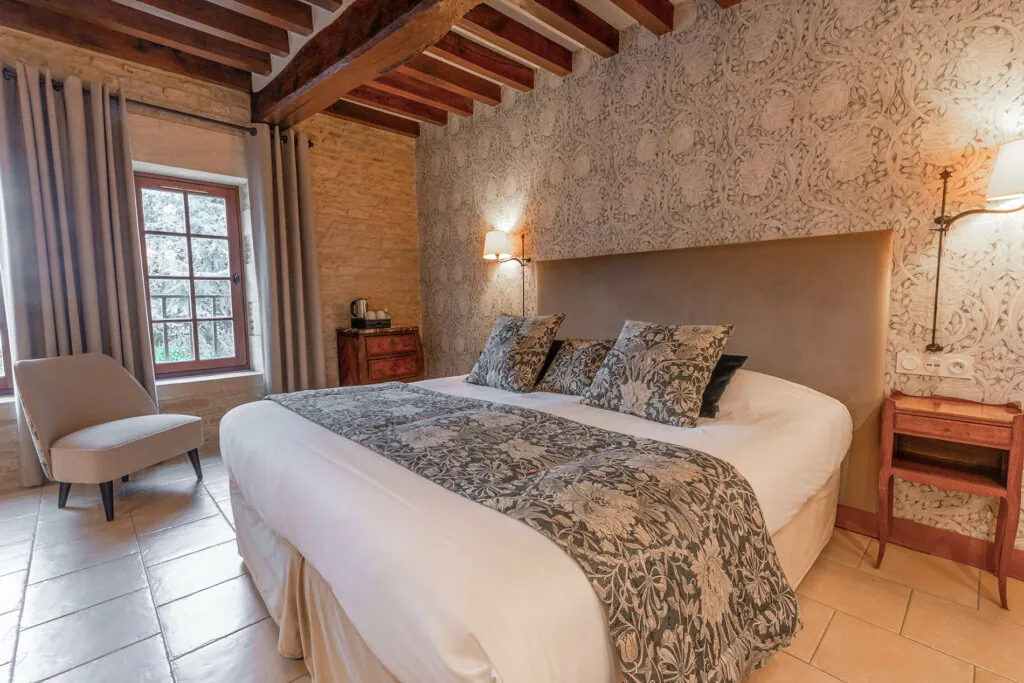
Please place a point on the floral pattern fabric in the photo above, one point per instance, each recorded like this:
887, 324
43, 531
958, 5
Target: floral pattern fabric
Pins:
659, 372
514, 353
672, 540
575, 366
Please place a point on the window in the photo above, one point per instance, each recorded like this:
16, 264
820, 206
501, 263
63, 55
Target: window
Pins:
192, 250
6, 377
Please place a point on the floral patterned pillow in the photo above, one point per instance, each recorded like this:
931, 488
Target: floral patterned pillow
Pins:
514, 353
575, 366
659, 372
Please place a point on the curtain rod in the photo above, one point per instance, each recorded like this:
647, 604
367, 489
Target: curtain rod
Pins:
58, 85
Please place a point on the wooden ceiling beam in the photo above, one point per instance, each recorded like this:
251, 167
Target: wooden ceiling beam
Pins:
217, 21
490, 25
82, 34
139, 24
576, 22
290, 15
659, 16
413, 89
396, 104
451, 78
483, 61
357, 113
370, 38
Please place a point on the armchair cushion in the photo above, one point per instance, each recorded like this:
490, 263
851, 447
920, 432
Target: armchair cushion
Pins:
110, 450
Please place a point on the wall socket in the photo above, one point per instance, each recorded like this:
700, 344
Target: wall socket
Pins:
949, 365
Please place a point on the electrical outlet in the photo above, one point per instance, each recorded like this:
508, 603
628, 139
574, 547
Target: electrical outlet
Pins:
948, 365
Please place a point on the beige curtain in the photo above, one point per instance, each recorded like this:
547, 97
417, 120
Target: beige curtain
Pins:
284, 244
72, 264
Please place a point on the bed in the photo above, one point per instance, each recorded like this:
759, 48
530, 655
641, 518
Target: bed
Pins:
374, 573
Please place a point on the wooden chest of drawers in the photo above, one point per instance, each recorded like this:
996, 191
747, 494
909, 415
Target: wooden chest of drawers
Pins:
373, 356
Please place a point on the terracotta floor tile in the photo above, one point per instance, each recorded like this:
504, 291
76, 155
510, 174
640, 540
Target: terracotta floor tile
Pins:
846, 547
307, 679
144, 662
182, 502
60, 645
84, 502
199, 619
176, 469
944, 578
229, 512
874, 599
17, 529
816, 617
95, 531
12, 591
8, 636
989, 602
220, 489
14, 558
5, 673
968, 634
192, 573
786, 669
19, 504
87, 587
57, 560
982, 676
858, 652
182, 540
250, 655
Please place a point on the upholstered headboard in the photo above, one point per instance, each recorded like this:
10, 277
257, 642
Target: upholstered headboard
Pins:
812, 310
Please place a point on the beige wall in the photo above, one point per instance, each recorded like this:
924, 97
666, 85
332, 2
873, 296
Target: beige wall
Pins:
364, 196
771, 119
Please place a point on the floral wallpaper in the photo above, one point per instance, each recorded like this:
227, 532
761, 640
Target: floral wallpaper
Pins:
771, 119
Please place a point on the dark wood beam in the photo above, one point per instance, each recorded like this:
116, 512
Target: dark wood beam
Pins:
370, 96
370, 38
82, 34
659, 16
483, 61
413, 89
142, 25
329, 5
357, 113
574, 21
290, 15
217, 21
451, 78
490, 25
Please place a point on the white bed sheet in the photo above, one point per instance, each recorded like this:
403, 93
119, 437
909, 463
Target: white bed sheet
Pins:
443, 589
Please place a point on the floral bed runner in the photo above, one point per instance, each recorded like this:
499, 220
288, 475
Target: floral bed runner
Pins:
672, 540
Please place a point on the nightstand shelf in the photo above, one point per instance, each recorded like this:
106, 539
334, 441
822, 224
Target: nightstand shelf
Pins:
956, 445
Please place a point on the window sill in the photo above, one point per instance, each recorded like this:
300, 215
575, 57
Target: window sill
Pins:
204, 385
8, 409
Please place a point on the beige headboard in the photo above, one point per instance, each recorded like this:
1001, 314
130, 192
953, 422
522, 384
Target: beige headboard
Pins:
812, 310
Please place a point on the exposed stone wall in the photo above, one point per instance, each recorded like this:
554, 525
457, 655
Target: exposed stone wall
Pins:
364, 195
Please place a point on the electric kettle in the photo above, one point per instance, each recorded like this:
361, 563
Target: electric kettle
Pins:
358, 308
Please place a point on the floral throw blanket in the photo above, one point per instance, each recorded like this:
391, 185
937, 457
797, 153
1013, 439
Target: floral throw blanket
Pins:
672, 540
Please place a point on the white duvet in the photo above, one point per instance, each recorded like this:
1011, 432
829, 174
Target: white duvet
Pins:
443, 589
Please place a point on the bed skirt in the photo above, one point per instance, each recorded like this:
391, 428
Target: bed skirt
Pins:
313, 625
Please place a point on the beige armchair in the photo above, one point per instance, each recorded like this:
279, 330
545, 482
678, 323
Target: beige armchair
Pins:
92, 422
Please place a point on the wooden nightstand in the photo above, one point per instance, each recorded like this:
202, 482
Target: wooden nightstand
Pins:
390, 354
957, 445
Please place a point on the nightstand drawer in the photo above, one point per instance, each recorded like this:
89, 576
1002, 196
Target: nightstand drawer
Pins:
388, 369
952, 430
390, 345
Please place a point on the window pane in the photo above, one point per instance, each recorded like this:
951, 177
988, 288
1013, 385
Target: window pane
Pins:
163, 211
167, 255
172, 342
210, 257
216, 339
169, 299
207, 215
213, 298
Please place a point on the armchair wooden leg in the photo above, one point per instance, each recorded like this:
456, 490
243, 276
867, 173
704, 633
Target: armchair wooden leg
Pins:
107, 493
62, 495
124, 479
193, 456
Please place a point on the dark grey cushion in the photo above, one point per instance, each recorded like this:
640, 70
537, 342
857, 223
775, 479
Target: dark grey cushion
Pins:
514, 353
575, 365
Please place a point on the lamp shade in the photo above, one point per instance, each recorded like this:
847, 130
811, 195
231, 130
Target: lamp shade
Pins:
497, 245
1008, 175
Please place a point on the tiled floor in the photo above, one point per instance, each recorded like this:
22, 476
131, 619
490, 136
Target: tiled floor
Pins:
917, 618
160, 595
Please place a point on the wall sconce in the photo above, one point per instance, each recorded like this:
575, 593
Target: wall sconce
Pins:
1007, 183
498, 247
